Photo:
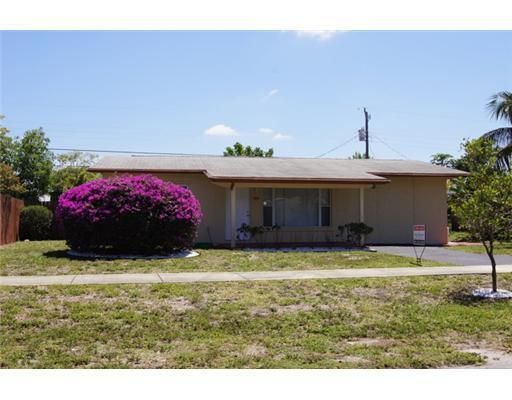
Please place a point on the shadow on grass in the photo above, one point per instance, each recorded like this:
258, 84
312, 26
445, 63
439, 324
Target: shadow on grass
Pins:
57, 254
466, 298
64, 254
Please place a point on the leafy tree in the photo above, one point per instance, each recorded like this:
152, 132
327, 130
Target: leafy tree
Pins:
447, 160
442, 159
33, 163
500, 106
357, 156
29, 159
7, 146
483, 200
9, 182
238, 150
71, 171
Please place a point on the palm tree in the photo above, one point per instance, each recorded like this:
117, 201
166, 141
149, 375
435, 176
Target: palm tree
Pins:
500, 106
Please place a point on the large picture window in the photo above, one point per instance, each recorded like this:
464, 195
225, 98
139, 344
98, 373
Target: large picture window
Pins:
297, 207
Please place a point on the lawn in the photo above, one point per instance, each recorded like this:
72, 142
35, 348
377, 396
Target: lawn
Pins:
460, 236
50, 258
499, 248
367, 323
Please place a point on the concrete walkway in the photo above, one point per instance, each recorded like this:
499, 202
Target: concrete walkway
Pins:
189, 277
444, 255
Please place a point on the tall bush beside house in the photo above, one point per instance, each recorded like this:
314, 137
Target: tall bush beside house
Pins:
129, 214
35, 223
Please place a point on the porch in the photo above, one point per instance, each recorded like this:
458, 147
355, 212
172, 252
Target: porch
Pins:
291, 214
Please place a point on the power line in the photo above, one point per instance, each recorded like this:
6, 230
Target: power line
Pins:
118, 151
337, 147
391, 148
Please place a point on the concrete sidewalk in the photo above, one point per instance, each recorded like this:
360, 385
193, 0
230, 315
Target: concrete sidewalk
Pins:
190, 277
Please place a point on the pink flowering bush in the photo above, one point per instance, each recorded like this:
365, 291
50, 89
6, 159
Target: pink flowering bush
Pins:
129, 214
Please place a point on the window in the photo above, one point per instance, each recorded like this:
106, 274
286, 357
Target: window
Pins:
267, 207
297, 207
325, 207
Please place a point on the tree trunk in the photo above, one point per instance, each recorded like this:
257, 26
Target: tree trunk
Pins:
490, 252
494, 275
489, 249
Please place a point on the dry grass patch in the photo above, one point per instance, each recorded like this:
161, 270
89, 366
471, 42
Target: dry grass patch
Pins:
368, 323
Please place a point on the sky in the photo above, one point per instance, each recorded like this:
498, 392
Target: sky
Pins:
301, 93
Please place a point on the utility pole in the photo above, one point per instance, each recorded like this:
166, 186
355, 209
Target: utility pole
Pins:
367, 136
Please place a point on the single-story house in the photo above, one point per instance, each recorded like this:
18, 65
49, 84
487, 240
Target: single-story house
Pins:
308, 198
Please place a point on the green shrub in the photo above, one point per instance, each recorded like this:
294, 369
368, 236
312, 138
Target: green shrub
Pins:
35, 223
129, 214
355, 232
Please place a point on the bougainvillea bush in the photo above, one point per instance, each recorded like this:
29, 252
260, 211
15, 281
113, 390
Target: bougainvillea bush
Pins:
129, 214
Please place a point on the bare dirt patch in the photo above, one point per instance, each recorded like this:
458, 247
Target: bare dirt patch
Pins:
280, 310
357, 258
255, 350
493, 358
369, 342
376, 293
351, 359
180, 304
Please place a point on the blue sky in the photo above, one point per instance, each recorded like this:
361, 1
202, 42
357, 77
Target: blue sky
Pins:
197, 92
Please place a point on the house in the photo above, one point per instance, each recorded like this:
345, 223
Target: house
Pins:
308, 198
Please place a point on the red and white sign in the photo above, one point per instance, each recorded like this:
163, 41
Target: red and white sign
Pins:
419, 235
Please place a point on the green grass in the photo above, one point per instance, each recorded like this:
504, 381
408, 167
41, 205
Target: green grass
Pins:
415, 322
460, 236
50, 258
499, 248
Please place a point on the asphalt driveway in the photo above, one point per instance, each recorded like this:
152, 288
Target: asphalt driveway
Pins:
444, 255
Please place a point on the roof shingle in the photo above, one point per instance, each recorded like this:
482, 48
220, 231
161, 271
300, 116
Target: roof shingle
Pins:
276, 168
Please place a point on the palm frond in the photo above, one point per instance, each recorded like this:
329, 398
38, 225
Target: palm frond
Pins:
500, 106
502, 138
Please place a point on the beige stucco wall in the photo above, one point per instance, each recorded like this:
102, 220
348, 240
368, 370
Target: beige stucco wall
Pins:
394, 208
391, 209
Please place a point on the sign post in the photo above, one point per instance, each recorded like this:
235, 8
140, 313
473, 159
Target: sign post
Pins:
419, 239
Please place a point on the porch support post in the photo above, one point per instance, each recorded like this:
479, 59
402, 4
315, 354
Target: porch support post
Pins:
233, 215
361, 210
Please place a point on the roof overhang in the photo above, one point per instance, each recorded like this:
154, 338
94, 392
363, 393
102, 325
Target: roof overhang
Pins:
254, 180
421, 175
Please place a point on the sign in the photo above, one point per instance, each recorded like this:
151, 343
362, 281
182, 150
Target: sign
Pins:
419, 235
419, 238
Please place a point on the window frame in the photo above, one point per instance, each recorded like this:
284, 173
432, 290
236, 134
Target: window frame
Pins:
319, 211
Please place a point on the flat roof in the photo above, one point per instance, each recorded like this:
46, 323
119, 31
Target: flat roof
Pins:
262, 169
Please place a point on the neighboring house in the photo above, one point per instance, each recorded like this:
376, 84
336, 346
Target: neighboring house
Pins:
307, 197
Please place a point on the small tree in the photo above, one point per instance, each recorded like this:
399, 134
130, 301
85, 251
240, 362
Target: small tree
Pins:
357, 156
483, 200
29, 158
443, 160
9, 182
71, 171
239, 150
7, 146
33, 163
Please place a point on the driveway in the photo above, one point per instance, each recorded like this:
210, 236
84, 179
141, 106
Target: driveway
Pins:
444, 255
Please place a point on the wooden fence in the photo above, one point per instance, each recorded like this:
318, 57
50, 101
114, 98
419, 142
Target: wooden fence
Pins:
10, 209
